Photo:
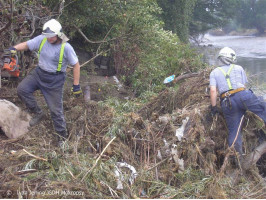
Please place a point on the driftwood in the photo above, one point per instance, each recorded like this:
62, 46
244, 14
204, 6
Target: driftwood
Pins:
185, 76
254, 156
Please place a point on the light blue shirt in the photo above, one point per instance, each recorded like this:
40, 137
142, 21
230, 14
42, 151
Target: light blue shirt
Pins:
49, 56
238, 78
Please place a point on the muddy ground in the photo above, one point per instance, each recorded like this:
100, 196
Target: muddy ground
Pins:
103, 132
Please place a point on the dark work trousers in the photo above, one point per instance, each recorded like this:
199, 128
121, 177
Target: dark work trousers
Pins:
51, 86
240, 103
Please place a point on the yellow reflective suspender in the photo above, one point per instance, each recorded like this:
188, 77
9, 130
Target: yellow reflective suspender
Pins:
227, 77
41, 46
60, 56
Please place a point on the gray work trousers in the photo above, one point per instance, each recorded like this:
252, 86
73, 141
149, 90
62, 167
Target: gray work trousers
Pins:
51, 86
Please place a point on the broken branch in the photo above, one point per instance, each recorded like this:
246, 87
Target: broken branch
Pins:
96, 162
37, 157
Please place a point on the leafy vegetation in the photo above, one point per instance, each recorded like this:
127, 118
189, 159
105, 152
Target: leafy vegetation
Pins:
146, 47
209, 14
177, 16
143, 52
251, 14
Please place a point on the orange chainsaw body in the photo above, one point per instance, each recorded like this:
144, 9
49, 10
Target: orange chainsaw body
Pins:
11, 66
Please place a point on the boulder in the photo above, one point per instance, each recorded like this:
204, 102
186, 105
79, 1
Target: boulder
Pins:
13, 121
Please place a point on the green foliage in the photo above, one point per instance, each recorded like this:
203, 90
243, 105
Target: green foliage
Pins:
251, 14
177, 16
164, 55
260, 15
121, 109
192, 184
144, 54
209, 14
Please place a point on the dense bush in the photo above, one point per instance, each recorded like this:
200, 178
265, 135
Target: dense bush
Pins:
144, 54
129, 31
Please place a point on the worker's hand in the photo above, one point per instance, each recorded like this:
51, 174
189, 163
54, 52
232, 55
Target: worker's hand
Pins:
214, 110
76, 90
12, 50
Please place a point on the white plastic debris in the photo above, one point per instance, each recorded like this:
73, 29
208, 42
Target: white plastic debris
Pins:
176, 158
166, 144
180, 131
166, 147
159, 155
174, 152
117, 82
120, 177
181, 165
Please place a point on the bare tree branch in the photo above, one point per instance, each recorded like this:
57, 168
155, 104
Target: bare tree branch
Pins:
32, 23
93, 42
8, 18
104, 39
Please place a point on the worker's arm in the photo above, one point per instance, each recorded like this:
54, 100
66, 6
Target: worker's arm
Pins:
21, 46
76, 73
213, 95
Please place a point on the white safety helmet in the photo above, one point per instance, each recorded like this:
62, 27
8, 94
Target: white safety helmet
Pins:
227, 55
52, 28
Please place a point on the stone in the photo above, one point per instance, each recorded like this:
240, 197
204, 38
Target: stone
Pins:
13, 121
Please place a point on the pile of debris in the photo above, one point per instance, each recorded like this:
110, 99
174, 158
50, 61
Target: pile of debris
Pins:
170, 147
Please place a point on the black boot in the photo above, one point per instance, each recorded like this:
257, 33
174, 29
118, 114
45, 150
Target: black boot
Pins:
37, 118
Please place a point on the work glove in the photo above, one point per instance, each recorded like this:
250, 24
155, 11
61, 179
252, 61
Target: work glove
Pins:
76, 90
214, 110
13, 51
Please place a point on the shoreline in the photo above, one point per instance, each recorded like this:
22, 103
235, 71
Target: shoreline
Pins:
246, 32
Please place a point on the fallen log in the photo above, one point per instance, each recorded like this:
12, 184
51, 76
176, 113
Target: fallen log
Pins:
185, 76
254, 156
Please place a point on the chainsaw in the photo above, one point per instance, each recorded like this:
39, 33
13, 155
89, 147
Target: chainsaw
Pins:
9, 68
11, 65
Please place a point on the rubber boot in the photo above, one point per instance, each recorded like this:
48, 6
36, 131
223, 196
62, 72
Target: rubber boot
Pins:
37, 118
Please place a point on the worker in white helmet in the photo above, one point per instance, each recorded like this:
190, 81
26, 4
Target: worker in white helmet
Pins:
54, 53
230, 80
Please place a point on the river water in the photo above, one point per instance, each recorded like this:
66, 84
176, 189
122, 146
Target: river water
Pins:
250, 52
